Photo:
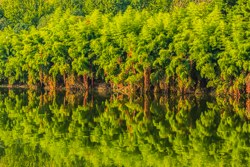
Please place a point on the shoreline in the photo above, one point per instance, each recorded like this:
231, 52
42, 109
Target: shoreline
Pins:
15, 86
105, 88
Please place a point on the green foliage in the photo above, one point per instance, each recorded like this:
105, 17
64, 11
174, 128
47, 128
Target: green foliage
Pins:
3, 23
1, 12
43, 21
77, 12
181, 46
21, 26
27, 11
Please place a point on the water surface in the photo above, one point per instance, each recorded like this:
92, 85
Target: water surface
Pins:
90, 129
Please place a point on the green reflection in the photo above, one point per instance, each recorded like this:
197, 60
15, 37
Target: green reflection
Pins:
65, 129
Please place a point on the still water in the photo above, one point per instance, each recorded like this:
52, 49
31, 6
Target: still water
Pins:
90, 129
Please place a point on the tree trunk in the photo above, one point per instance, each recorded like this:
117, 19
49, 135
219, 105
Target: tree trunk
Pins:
92, 79
64, 78
41, 75
85, 81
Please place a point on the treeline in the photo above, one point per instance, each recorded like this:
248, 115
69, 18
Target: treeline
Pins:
33, 11
183, 48
65, 130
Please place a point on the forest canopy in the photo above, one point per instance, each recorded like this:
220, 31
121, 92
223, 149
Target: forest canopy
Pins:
180, 46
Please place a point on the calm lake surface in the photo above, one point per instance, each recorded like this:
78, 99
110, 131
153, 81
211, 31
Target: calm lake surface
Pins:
91, 129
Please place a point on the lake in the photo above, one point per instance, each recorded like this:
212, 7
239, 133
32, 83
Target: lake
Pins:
51, 129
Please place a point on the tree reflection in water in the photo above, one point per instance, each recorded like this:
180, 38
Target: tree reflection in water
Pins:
64, 129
